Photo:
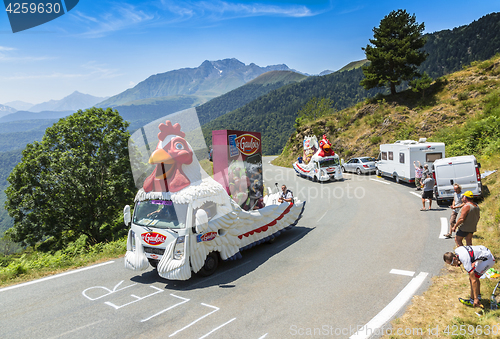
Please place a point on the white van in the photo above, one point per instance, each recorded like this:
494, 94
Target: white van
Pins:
463, 170
396, 160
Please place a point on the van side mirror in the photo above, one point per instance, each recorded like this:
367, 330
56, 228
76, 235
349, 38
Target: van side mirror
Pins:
201, 221
126, 215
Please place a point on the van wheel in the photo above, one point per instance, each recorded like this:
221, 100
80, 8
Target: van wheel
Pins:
396, 178
315, 179
377, 172
210, 266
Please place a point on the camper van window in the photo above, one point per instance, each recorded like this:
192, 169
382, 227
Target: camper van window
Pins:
391, 156
431, 157
401, 158
384, 155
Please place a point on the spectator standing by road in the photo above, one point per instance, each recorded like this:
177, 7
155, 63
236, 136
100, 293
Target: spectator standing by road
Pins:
425, 172
427, 194
455, 207
476, 260
418, 174
467, 222
286, 195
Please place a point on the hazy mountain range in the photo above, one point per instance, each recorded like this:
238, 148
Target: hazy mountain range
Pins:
74, 101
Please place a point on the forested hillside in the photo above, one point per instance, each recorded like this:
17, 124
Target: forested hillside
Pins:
274, 114
7, 162
449, 50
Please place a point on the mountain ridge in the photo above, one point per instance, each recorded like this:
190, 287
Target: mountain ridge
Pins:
203, 81
72, 102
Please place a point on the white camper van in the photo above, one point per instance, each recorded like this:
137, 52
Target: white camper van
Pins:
462, 170
396, 160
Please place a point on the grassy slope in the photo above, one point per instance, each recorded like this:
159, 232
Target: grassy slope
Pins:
448, 112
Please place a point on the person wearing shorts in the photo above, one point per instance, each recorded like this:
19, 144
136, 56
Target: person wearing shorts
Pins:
418, 175
427, 194
455, 208
467, 222
476, 260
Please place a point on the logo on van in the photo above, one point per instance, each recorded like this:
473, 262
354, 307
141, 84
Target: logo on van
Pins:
153, 238
206, 237
247, 144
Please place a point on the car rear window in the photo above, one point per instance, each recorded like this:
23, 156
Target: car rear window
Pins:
367, 159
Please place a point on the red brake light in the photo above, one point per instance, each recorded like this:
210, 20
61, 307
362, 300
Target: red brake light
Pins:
365, 166
478, 175
434, 176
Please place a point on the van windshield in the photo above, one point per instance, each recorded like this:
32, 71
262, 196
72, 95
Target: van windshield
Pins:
329, 162
159, 214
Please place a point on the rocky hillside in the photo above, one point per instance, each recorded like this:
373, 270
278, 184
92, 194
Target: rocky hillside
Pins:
450, 102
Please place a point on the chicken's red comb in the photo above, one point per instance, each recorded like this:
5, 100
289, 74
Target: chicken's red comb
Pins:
167, 129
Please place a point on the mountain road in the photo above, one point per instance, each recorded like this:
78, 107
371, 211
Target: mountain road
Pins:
360, 252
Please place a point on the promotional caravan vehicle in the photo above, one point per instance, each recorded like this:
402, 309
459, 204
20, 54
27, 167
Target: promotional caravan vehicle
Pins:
463, 170
319, 163
183, 220
396, 160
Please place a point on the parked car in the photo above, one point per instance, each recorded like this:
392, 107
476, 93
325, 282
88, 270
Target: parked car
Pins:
360, 165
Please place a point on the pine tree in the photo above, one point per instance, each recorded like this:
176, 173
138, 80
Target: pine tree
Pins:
395, 54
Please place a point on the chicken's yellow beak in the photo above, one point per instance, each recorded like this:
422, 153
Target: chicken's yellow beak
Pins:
160, 156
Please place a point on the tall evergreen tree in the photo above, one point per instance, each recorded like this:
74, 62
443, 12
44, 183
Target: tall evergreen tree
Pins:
395, 54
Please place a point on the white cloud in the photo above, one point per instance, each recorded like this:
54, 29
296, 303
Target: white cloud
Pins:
91, 70
3, 48
217, 10
118, 17
121, 16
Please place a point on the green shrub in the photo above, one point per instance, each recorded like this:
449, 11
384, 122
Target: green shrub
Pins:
376, 139
463, 96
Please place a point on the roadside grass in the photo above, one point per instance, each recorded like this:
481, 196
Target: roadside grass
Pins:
32, 264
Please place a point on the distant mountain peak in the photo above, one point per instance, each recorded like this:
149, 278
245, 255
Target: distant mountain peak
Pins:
209, 80
72, 102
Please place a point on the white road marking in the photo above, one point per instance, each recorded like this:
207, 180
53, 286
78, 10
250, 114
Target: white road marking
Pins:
116, 307
194, 322
322, 216
444, 228
77, 329
167, 309
392, 308
383, 182
115, 289
415, 193
265, 335
215, 329
55, 276
402, 272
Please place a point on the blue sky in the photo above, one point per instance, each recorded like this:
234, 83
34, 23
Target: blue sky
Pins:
104, 47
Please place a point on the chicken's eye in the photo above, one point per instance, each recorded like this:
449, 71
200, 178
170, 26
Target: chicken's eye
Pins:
179, 145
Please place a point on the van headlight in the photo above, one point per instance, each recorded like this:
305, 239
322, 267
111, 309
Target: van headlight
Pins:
179, 248
132, 239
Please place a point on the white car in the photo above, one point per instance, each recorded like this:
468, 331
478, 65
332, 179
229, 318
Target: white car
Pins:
360, 165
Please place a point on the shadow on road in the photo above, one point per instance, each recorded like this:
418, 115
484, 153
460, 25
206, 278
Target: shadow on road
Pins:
230, 271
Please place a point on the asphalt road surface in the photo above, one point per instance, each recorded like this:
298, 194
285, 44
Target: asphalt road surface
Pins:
360, 251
